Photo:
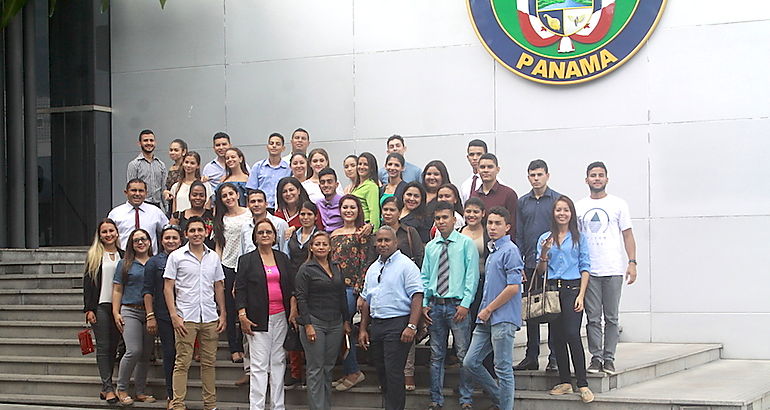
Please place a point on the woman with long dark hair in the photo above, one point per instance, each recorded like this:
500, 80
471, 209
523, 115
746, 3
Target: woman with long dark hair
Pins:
349, 166
290, 195
229, 219
191, 172
198, 198
414, 213
299, 243
129, 315
101, 261
300, 169
176, 152
236, 172
323, 314
263, 290
158, 319
352, 249
564, 253
394, 166
367, 188
434, 175
475, 228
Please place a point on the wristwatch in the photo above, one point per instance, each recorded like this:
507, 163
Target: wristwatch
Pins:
411, 326
632, 261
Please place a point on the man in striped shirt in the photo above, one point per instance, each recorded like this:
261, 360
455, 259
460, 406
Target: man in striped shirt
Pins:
149, 169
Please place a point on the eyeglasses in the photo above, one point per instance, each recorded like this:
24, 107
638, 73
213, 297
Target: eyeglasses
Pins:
174, 227
139, 240
264, 232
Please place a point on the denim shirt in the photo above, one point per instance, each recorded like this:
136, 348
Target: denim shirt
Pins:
504, 267
566, 262
153, 284
132, 291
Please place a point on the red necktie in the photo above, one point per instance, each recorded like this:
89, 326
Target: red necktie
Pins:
136, 218
473, 185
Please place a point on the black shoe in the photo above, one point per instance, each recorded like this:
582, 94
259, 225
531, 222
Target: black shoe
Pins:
291, 383
527, 364
595, 367
552, 366
609, 367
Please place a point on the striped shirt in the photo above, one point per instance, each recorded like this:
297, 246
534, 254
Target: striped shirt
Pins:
152, 173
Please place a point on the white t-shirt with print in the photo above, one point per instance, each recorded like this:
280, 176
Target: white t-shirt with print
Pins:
602, 222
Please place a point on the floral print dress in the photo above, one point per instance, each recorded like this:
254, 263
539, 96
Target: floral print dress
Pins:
354, 253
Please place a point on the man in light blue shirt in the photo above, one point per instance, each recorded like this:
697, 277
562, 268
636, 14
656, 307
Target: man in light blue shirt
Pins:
499, 314
392, 297
214, 171
450, 274
410, 172
266, 173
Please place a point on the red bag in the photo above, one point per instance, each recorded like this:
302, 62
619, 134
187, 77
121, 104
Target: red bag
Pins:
86, 342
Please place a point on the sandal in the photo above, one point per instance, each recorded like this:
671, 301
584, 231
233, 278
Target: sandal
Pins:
347, 384
409, 383
145, 398
124, 398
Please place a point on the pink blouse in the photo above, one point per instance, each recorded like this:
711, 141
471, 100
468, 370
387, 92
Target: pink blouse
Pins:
274, 293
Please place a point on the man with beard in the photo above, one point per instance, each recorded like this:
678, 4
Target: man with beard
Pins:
149, 169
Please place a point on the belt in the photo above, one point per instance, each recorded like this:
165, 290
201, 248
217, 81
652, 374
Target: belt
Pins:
140, 307
444, 301
559, 283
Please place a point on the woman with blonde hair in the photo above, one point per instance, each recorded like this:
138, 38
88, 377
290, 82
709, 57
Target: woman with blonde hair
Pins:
102, 259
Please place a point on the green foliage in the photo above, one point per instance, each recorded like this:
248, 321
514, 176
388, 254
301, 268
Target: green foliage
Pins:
12, 7
545, 3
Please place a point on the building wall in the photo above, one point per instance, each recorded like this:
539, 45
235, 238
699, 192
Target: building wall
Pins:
682, 126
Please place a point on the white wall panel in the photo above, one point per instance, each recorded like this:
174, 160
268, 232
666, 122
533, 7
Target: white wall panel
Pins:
743, 335
408, 24
184, 34
709, 73
703, 12
708, 265
709, 168
279, 29
280, 96
424, 92
635, 327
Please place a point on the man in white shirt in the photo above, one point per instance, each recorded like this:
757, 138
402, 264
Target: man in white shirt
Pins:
300, 141
257, 203
476, 148
214, 171
136, 213
194, 280
605, 221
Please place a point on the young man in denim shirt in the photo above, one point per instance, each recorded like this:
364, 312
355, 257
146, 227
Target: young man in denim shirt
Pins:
500, 312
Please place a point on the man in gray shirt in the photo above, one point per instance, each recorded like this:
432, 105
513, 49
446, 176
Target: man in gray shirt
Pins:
535, 213
149, 169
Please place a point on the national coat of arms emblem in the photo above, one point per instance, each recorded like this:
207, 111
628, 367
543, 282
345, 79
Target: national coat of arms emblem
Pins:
564, 41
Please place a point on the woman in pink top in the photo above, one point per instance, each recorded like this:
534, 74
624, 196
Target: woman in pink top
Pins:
264, 286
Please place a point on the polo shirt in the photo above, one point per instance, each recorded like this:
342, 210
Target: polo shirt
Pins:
151, 219
500, 195
504, 267
265, 177
463, 268
153, 173
330, 212
534, 217
410, 173
195, 283
390, 285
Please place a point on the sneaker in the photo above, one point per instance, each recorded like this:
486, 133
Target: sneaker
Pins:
434, 406
291, 383
586, 394
595, 367
560, 389
609, 367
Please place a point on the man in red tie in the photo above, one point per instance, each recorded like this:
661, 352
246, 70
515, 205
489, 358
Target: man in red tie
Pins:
476, 148
136, 213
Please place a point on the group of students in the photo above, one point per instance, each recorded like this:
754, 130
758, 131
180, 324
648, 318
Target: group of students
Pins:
284, 256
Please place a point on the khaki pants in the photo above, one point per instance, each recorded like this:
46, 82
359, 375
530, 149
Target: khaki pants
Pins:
207, 338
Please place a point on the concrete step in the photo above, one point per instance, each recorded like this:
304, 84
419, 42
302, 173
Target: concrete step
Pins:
41, 280
40, 329
33, 402
41, 267
66, 254
41, 297
51, 313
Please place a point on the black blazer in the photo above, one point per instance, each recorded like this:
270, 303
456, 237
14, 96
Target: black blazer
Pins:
251, 286
92, 287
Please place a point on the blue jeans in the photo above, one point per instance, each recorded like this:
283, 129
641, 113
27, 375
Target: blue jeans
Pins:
441, 317
350, 364
497, 339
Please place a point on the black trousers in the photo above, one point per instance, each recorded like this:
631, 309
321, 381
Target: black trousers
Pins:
389, 356
566, 333
234, 336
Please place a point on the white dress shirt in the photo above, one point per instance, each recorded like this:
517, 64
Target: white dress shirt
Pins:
195, 283
151, 219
